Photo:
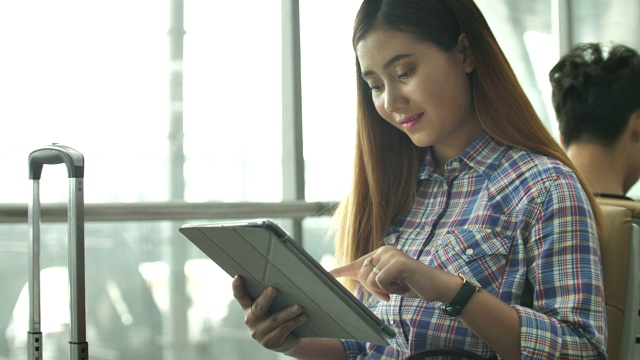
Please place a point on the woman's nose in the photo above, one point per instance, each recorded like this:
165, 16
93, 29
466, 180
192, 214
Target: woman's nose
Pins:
394, 100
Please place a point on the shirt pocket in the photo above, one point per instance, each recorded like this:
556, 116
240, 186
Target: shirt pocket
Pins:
479, 254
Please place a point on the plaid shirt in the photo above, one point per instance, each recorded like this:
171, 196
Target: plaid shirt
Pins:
505, 218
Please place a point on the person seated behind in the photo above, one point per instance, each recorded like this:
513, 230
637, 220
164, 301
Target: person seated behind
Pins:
596, 96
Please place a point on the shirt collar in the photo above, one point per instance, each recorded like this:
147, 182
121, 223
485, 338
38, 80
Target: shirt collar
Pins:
483, 155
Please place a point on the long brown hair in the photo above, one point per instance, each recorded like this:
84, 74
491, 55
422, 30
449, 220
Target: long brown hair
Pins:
386, 161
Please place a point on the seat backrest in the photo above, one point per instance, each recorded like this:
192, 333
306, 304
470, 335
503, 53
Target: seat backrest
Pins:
633, 206
620, 250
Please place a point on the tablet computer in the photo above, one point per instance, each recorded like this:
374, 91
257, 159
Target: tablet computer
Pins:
265, 255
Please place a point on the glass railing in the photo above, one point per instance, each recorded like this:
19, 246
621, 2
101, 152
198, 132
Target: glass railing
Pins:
150, 294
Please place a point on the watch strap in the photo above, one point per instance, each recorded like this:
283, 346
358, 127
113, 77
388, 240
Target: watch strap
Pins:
454, 308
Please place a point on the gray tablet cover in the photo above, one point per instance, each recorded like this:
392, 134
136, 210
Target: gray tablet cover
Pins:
265, 255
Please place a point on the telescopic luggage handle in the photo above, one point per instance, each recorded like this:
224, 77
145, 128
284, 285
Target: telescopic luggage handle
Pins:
51, 155
56, 154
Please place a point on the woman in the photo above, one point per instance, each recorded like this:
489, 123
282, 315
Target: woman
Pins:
466, 226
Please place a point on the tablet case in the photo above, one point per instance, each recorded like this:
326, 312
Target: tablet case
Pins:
265, 255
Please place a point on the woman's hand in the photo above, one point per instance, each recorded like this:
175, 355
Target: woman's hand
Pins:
273, 331
389, 271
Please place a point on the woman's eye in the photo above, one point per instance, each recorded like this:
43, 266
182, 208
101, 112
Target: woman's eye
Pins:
375, 88
406, 74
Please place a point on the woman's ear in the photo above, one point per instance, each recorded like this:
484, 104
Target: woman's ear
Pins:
469, 62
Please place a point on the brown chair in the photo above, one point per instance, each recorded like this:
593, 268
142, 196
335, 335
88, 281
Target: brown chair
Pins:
620, 250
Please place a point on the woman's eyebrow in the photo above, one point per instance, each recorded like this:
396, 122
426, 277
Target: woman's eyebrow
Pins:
387, 64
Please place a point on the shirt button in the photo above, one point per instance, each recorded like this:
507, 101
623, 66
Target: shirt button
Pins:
469, 252
455, 165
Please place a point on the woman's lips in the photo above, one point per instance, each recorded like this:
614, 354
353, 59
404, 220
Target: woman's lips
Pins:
410, 121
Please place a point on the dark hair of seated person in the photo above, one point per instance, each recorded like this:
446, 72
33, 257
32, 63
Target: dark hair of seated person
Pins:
596, 97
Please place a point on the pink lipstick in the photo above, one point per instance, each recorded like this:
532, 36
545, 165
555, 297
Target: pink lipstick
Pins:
410, 121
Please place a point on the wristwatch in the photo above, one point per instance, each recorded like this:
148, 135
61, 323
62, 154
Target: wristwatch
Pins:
454, 308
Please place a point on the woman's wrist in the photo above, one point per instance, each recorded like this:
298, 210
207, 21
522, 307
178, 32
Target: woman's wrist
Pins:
435, 284
293, 350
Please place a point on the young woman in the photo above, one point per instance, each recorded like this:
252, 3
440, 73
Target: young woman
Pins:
466, 226
596, 95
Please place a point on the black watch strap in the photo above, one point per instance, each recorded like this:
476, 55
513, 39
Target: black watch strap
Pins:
454, 308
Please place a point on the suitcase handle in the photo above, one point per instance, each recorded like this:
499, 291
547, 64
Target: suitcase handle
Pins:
56, 154
52, 155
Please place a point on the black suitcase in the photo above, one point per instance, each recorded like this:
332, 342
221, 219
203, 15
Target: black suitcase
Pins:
50, 155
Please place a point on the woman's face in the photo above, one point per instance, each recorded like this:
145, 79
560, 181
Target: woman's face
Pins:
422, 90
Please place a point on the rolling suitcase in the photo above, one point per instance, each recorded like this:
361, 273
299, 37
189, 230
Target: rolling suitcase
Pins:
50, 155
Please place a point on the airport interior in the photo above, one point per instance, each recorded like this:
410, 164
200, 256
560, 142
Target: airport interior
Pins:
200, 111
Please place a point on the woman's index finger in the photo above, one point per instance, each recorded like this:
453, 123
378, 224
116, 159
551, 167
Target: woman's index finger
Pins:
350, 270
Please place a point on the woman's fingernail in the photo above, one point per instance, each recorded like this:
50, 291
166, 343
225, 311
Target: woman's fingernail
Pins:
302, 318
296, 309
271, 291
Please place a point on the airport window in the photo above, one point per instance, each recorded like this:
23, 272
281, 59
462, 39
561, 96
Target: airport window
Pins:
606, 21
